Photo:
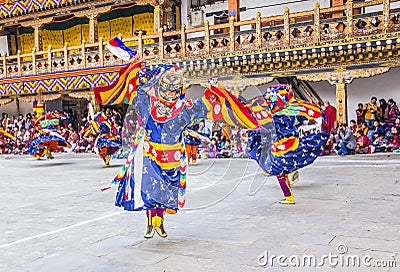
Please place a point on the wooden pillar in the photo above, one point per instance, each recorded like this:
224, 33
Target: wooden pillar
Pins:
101, 54
157, 18
234, 9
34, 70
177, 17
19, 64
160, 44
386, 14
49, 59
231, 35
93, 31
17, 104
317, 23
183, 40
83, 55
79, 111
66, 56
5, 64
341, 102
258, 30
286, 26
207, 36
140, 44
37, 33
349, 28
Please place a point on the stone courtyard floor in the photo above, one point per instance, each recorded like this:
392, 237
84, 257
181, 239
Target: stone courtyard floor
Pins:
346, 218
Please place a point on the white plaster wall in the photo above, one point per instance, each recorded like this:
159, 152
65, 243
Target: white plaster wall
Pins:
54, 105
26, 107
11, 108
3, 45
380, 7
276, 7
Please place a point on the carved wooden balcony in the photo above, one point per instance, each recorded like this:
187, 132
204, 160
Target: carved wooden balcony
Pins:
277, 44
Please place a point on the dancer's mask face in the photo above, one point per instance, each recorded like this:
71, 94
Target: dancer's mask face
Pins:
169, 88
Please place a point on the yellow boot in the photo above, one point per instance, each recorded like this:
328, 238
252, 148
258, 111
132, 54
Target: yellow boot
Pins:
107, 160
158, 223
49, 155
288, 200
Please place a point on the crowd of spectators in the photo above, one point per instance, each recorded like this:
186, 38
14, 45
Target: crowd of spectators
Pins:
376, 129
71, 128
225, 142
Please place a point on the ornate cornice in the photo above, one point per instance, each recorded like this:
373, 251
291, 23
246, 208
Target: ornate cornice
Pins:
239, 83
346, 76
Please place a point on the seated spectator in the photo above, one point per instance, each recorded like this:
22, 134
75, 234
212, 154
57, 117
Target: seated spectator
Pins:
20, 121
216, 130
226, 150
65, 133
394, 143
226, 131
28, 122
384, 125
309, 30
214, 149
334, 135
203, 130
72, 139
380, 144
362, 143
12, 123
166, 28
237, 141
19, 147
378, 130
394, 111
363, 127
221, 142
353, 126
8, 146
359, 126
348, 141
397, 122
326, 29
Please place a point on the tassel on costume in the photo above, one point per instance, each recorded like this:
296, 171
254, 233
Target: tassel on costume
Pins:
294, 177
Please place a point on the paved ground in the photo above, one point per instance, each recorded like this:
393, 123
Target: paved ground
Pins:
54, 218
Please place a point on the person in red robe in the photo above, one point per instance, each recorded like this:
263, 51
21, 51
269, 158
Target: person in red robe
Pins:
330, 113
